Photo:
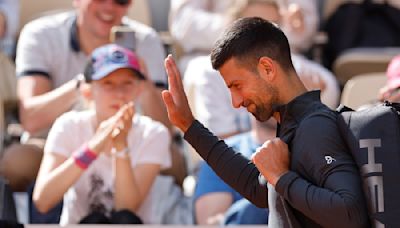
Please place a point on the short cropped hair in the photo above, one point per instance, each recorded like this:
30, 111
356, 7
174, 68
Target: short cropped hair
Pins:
249, 39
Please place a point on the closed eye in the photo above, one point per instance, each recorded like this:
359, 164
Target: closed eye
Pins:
234, 86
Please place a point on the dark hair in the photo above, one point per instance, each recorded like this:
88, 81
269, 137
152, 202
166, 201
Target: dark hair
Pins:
248, 39
88, 71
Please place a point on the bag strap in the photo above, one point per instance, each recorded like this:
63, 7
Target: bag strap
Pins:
343, 108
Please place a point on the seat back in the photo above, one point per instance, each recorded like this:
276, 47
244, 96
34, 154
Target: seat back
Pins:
362, 89
358, 61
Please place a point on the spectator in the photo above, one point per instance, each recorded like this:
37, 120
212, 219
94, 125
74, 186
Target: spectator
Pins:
9, 21
196, 24
210, 100
213, 198
104, 162
300, 23
51, 53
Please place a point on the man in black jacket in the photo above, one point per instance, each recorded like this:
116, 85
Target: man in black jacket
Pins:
311, 179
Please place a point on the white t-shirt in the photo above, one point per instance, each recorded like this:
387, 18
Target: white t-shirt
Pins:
148, 142
49, 46
210, 99
307, 68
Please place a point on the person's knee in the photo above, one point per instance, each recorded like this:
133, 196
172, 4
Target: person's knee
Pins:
20, 165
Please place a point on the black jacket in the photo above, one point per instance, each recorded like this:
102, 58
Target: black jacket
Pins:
323, 187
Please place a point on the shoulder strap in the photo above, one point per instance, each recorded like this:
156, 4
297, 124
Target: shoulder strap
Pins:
343, 108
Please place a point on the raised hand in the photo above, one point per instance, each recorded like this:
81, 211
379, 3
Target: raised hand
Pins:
175, 99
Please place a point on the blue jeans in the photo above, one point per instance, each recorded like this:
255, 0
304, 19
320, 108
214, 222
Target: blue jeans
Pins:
51, 217
244, 212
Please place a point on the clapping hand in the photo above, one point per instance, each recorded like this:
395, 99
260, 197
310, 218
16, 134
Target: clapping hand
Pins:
122, 126
113, 131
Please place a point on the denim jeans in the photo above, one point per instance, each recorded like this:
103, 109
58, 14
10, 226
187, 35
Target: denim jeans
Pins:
244, 212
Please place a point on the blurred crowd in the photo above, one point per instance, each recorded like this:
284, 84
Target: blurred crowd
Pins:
85, 134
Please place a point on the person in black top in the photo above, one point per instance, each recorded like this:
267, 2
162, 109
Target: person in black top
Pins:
305, 176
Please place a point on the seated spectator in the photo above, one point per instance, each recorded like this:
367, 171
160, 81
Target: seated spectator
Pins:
51, 53
216, 202
104, 161
9, 21
391, 91
196, 24
210, 100
300, 22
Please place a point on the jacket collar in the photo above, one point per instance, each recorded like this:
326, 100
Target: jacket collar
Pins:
74, 38
293, 112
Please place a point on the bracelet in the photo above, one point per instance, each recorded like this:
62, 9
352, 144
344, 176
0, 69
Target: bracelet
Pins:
120, 154
84, 157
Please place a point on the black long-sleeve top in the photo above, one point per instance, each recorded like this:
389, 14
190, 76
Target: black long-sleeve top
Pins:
323, 187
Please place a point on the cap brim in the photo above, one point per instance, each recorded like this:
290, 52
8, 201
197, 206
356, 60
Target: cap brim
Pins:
103, 72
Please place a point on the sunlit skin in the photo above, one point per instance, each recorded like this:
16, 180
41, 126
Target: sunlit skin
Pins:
111, 92
249, 89
99, 16
95, 20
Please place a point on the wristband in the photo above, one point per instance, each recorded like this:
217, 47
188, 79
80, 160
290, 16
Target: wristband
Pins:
120, 154
84, 157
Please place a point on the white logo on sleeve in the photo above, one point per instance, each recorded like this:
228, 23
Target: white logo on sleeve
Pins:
329, 159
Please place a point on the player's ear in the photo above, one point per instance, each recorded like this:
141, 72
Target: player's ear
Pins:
266, 67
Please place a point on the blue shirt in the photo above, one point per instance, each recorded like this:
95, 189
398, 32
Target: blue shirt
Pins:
209, 182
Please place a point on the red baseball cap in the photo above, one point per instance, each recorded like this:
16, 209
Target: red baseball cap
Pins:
109, 58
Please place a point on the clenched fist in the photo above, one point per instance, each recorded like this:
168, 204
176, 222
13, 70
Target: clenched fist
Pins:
272, 160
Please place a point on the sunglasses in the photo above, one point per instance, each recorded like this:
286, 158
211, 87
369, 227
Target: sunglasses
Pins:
118, 2
122, 2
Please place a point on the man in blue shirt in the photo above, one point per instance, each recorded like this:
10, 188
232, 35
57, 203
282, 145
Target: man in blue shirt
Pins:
215, 202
